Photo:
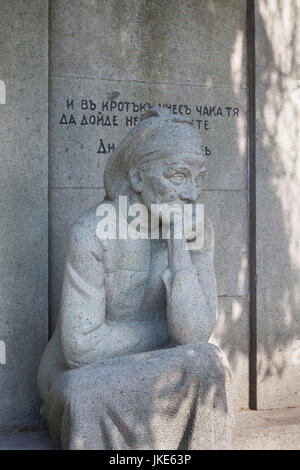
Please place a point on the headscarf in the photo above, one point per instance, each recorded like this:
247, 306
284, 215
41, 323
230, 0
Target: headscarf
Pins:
159, 134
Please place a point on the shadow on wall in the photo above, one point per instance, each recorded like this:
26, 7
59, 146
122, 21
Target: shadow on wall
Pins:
278, 185
232, 329
278, 194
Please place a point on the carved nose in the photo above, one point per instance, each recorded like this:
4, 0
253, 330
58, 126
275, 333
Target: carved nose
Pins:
189, 194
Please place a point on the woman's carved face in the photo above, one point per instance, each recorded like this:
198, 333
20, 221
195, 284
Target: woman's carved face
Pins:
173, 180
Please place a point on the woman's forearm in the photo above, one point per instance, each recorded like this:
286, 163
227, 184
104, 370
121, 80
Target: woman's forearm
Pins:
113, 339
191, 311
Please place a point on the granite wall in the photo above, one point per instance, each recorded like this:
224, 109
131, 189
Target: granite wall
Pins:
277, 203
23, 207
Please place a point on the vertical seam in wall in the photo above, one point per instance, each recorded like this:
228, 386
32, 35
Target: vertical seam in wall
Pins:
251, 90
49, 281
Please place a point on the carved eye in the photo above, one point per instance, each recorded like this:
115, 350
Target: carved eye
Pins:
201, 176
178, 178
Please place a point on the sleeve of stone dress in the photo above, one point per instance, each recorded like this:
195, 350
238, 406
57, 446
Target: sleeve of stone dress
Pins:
191, 292
82, 312
87, 337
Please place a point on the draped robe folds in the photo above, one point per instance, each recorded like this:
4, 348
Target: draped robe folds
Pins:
141, 393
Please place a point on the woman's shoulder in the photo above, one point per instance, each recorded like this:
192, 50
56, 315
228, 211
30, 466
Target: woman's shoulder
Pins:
83, 234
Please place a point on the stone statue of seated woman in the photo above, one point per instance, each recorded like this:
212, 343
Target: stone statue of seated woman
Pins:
129, 365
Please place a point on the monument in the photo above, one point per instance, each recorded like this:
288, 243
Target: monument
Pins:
129, 365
